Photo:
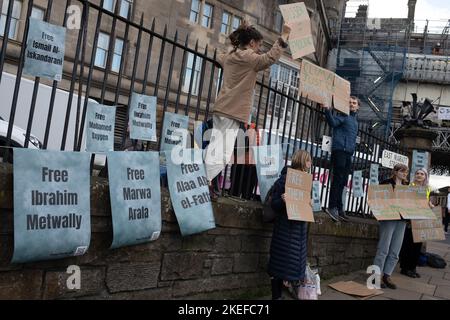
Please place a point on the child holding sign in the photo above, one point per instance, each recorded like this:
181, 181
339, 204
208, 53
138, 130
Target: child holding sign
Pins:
235, 101
391, 233
289, 239
410, 253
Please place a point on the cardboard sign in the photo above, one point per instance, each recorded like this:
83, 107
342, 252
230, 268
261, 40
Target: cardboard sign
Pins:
52, 207
135, 192
269, 163
357, 184
341, 94
390, 159
355, 289
374, 172
298, 196
100, 123
175, 131
44, 54
301, 41
419, 161
428, 230
380, 199
189, 193
316, 83
143, 117
412, 203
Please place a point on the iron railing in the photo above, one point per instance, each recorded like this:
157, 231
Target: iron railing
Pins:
154, 63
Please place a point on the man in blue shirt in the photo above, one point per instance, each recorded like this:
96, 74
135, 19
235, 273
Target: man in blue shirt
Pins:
345, 132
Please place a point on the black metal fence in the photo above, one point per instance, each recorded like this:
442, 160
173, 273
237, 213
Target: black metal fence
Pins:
185, 79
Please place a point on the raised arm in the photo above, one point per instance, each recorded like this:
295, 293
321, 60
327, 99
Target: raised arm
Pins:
333, 121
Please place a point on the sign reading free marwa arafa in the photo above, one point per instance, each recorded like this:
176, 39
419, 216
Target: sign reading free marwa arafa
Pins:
51, 204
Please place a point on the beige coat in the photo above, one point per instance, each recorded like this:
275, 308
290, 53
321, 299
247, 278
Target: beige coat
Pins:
239, 80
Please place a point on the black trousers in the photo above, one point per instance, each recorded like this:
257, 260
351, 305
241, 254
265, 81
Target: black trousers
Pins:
341, 162
410, 252
277, 288
445, 220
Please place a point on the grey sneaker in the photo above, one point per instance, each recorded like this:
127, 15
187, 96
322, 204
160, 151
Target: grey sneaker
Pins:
333, 213
343, 216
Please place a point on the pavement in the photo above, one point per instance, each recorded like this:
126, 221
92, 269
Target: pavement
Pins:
434, 284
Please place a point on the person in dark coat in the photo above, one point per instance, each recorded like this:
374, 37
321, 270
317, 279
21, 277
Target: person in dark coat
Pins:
289, 239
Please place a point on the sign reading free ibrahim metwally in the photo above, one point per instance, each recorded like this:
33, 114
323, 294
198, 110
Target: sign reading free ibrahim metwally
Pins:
44, 55
51, 205
189, 192
135, 193
100, 123
143, 117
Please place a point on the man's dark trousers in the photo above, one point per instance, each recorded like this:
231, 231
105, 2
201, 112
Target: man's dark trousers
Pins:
342, 164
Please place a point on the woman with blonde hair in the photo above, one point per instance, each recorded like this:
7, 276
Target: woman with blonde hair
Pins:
410, 253
391, 233
289, 239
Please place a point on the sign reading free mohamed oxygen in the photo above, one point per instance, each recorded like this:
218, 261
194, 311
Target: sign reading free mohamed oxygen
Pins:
44, 56
135, 193
51, 205
189, 192
100, 124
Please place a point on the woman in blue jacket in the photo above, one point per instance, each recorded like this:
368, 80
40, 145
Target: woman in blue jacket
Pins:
289, 239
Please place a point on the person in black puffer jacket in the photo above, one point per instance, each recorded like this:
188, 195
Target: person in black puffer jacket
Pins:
289, 239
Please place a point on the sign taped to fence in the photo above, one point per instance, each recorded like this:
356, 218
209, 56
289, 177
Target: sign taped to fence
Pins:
419, 161
298, 196
44, 54
175, 131
341, 94
428, 230
134, 188
269, 163
301, 41
189, 192
327, 143
51, 205
380, 199
390, 159
357, 184
316, 83
100, 124
444, 113
374, 172
143, 117
316, 196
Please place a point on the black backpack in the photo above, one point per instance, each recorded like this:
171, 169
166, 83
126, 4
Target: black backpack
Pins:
269, 214
435, 261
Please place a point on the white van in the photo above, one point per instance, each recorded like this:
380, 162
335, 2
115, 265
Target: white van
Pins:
7, 86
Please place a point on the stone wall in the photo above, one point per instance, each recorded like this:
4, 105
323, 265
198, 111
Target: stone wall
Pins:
227, 262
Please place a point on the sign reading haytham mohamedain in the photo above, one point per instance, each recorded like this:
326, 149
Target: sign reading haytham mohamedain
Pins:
135, 192
51, 204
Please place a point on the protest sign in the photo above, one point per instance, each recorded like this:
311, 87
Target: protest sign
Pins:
175, 132
341, 94
301, 41
419, 161
189, 193
412, 203
100, 125
357, 184
380, 199
444, 113
298, 196
134, 188
269, 163
316, 83
44, 54
316, 196
374, 172
428, 230
143, 117
51, 205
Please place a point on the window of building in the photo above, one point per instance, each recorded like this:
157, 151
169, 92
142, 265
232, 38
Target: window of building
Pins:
15, 17
207, 15
285, 76
226, 22
117, 57
190, 69
37, 13
195, 11
278, 23
124, 8
237, 21
101, 54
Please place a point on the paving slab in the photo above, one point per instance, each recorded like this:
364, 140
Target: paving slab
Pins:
425, 297
401, 294
410, 284
442, 292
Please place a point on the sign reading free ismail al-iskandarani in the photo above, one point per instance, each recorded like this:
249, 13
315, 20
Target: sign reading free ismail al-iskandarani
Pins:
51, 205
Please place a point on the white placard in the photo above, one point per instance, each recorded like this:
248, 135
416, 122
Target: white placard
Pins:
444, 113
390, 159
327, 143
